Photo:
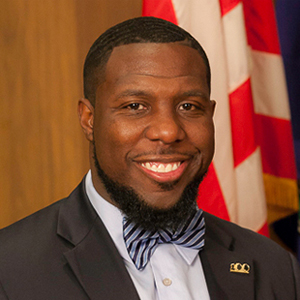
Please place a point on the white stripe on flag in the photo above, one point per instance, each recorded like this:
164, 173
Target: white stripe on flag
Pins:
252, 210
236, 47
268, 85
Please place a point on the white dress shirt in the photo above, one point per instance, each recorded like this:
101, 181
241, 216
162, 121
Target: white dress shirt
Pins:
173, 272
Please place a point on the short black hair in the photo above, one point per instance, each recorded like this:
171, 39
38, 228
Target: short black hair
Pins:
137, 30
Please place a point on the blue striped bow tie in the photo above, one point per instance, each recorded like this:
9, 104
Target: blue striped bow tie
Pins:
141, 243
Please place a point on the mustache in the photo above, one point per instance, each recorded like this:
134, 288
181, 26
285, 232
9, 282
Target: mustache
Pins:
166, 152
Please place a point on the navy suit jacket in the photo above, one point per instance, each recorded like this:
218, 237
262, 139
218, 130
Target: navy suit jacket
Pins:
65, 252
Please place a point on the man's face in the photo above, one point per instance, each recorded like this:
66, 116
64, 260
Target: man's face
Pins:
153, 128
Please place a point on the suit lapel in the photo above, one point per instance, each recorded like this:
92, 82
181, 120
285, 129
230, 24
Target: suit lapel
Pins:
217, 256
94, 260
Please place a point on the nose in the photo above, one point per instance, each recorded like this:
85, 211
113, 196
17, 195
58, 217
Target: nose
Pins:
165, 127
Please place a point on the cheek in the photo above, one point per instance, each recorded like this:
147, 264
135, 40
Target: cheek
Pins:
114, 141
203, 138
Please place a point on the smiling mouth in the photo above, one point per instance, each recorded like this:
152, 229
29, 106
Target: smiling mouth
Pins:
164, 171
161, 167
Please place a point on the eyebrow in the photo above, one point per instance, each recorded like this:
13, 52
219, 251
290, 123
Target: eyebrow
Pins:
193, 93
131, 92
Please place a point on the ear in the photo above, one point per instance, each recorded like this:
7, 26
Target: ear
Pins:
86, 117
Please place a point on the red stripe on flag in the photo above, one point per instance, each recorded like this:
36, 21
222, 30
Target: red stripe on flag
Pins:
275, 138
160, 9
227, 5
261, 25
210, 197
242, 122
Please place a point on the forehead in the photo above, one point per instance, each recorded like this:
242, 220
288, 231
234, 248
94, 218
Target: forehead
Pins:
166, 60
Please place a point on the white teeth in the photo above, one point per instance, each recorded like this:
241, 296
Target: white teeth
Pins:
175, 166
168, 168
161, 168
153, 168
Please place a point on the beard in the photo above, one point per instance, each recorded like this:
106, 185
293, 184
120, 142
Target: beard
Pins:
139, 212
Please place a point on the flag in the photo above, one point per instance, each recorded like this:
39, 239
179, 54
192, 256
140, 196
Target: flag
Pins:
254, 163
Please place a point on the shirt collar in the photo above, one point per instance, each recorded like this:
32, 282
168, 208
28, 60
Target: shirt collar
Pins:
110, 215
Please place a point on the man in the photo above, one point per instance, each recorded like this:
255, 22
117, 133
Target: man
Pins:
131, 229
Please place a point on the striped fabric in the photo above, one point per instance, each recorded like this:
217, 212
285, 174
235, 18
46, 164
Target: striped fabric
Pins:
254, 160
141, 243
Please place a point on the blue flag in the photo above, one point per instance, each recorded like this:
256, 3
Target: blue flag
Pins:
288, 20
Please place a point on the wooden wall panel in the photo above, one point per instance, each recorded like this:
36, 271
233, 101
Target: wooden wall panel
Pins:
43, 154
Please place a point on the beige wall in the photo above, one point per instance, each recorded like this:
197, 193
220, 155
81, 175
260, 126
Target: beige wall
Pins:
43, 154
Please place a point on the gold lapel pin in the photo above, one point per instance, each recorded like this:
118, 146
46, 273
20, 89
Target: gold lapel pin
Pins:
239, 268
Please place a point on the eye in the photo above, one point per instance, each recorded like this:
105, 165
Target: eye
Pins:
136, 106
187, 106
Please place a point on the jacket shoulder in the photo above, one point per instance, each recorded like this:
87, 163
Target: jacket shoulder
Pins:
276, 270
240, 238
29, 236
32, 261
